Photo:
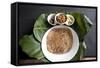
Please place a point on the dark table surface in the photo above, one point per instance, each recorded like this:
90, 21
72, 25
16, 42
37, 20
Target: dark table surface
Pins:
29, 12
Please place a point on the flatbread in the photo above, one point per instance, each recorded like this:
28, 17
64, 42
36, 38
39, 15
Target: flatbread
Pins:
59, 40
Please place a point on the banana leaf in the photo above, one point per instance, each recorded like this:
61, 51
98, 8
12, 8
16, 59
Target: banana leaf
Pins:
41, 26
82, 24
31, 47
80, 53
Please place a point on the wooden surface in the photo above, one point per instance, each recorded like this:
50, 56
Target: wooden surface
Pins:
89, 58
33, 61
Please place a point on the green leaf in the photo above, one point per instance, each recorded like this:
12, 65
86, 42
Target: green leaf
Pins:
82, 24
80, 53
41, 26
31, 47
38, 33
45, 60
88, 22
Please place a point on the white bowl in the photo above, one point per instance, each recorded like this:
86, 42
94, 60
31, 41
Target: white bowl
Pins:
69, 22
57, 21
60, 57
49, 18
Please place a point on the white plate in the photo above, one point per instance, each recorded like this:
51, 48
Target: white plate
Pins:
60, 57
